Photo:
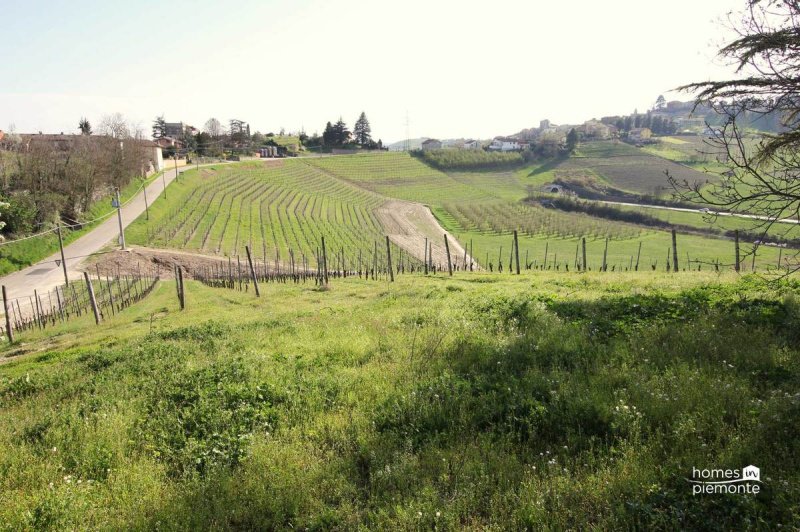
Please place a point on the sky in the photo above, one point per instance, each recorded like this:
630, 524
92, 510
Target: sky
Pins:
448, 69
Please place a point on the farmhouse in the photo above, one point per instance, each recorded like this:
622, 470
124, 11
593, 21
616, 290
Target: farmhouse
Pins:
472, 144
639, 134
431, 144
504, 144
595, 129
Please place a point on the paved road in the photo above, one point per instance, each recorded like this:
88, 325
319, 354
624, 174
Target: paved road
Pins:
701, 211
48, 274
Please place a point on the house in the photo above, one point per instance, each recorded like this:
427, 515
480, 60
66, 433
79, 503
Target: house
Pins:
153, 154
175, 130
170, 142
152, 159
468, 144
639, 134
431, 144
504, 144
595, 129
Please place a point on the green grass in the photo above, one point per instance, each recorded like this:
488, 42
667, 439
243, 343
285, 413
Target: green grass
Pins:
448, 194
627, 167
545, 401
18, 255
273, 209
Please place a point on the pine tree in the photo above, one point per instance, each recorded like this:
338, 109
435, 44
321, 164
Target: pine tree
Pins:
85, 127
572, 140
328, 136
159, 127
341, 133
361, 130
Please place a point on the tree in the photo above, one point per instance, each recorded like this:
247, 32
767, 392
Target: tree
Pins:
661, 103
572, 140
361, 130
328, 135
159, 127
764, 168
214, 128
340, 133
115, 126
85, 126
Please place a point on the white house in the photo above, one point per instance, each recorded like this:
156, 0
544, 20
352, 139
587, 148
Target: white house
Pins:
472, 144
504, 144
431, 144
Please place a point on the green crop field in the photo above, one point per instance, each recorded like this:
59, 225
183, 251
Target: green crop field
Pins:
628, 168
483, 401
276, 209
451, 195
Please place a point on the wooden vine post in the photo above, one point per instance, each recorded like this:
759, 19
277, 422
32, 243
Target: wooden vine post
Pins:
736, 245
252, 271
92, 300
674, 252
447, 250
389, 259
9, 332
583, 245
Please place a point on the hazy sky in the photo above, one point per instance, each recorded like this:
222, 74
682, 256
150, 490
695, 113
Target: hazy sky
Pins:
459, 69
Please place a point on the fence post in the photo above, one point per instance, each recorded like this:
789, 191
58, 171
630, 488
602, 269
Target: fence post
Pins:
736, 244
638, 254
325, 262
674, 252
447, 249
605, 257
182, 296
426, 256
9, 332
389, 259
516, 249
252, 271
583, 245
92, 300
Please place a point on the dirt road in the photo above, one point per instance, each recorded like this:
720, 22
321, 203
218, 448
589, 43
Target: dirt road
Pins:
408, 225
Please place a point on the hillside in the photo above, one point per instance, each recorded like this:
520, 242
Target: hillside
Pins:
432, 403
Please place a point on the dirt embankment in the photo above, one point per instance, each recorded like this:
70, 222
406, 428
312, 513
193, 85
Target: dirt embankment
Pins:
408, 224
153, 261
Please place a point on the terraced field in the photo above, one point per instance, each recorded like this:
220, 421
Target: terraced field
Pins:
628, 168
277, 209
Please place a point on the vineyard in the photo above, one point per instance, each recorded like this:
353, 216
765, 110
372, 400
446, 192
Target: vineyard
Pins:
628, 168
533, 220
280, 211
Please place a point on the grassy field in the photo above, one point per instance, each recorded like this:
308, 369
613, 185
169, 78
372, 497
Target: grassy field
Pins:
274, 208
18, 255
544, 401
626, 167
470, 205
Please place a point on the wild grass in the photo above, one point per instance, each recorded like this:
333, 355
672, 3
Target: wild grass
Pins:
541, 401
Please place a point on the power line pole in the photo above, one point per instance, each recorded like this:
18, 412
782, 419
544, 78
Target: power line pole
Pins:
61, 247
119, 218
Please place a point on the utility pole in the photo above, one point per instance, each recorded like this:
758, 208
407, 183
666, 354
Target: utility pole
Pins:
175, 158
164, 182
119, 217
146, 206
63, 260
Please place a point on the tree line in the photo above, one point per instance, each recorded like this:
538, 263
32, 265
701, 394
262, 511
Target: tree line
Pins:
47, 179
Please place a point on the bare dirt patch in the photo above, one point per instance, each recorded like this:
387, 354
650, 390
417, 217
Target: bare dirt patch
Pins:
160, 261
408, 224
